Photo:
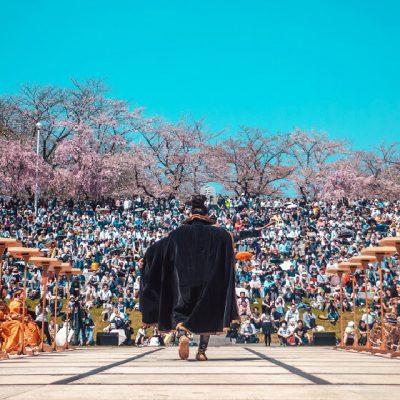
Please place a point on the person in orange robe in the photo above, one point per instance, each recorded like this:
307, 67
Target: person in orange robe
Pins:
10, 330
11, 327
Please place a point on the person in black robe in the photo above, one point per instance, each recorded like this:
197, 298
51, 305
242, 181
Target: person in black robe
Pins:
188, 279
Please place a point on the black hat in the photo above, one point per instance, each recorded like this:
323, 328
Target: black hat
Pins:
198, 206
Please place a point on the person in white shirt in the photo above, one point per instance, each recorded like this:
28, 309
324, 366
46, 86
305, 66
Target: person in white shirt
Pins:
248, 332
141, 336
127, 204
90, 296
255, 287
292, 315
136, 287
105, 295
284, 333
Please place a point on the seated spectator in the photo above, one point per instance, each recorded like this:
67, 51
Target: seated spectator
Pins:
350, 334
130, 281
128, 333
292, 315
347, 305
107, 311
357, 299
117, 318
300, 334
141, 336
267, 303
371, 318
242, 297
362, 329
104, 296
309, 319
112, 285
94, 280
156, 339
34, 287
280, 306
284, 334
333, 313
244, 310
320, 301
121, 306
129, 300
255, 317
136, 288
89, 296
233, 331
247, 333
255, 287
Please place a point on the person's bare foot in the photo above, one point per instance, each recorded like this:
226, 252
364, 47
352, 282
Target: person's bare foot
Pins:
184, 347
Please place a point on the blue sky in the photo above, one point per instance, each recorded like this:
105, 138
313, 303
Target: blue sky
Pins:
323, 65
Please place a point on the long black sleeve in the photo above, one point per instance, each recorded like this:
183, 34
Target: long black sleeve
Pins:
253, 233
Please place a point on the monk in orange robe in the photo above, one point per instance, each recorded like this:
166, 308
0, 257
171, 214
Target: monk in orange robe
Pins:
11, 328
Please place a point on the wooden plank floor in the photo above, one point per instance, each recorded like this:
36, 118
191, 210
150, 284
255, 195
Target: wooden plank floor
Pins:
233, 372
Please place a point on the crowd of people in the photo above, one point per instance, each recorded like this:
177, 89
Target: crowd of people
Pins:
282, 289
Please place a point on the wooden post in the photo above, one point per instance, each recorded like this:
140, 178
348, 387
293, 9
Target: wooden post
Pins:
54, 344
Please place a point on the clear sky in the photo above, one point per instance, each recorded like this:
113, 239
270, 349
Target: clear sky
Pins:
325, 65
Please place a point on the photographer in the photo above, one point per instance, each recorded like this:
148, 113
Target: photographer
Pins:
78, 315
89, 328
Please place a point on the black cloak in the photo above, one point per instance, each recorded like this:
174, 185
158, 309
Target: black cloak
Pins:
189, 278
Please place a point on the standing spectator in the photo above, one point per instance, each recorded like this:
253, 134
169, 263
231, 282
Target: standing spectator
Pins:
78, 315
267, 327
43, 319
89, 329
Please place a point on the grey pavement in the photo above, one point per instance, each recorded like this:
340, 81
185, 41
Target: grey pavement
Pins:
233, 372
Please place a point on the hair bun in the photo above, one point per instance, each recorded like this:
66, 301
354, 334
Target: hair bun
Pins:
197, 203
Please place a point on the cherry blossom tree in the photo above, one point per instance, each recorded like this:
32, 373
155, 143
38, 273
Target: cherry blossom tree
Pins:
312, 153
383, 166
178, 154
343, 179
134, 171
62, 112
82, 168
251, 162
93, 145
21, 168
